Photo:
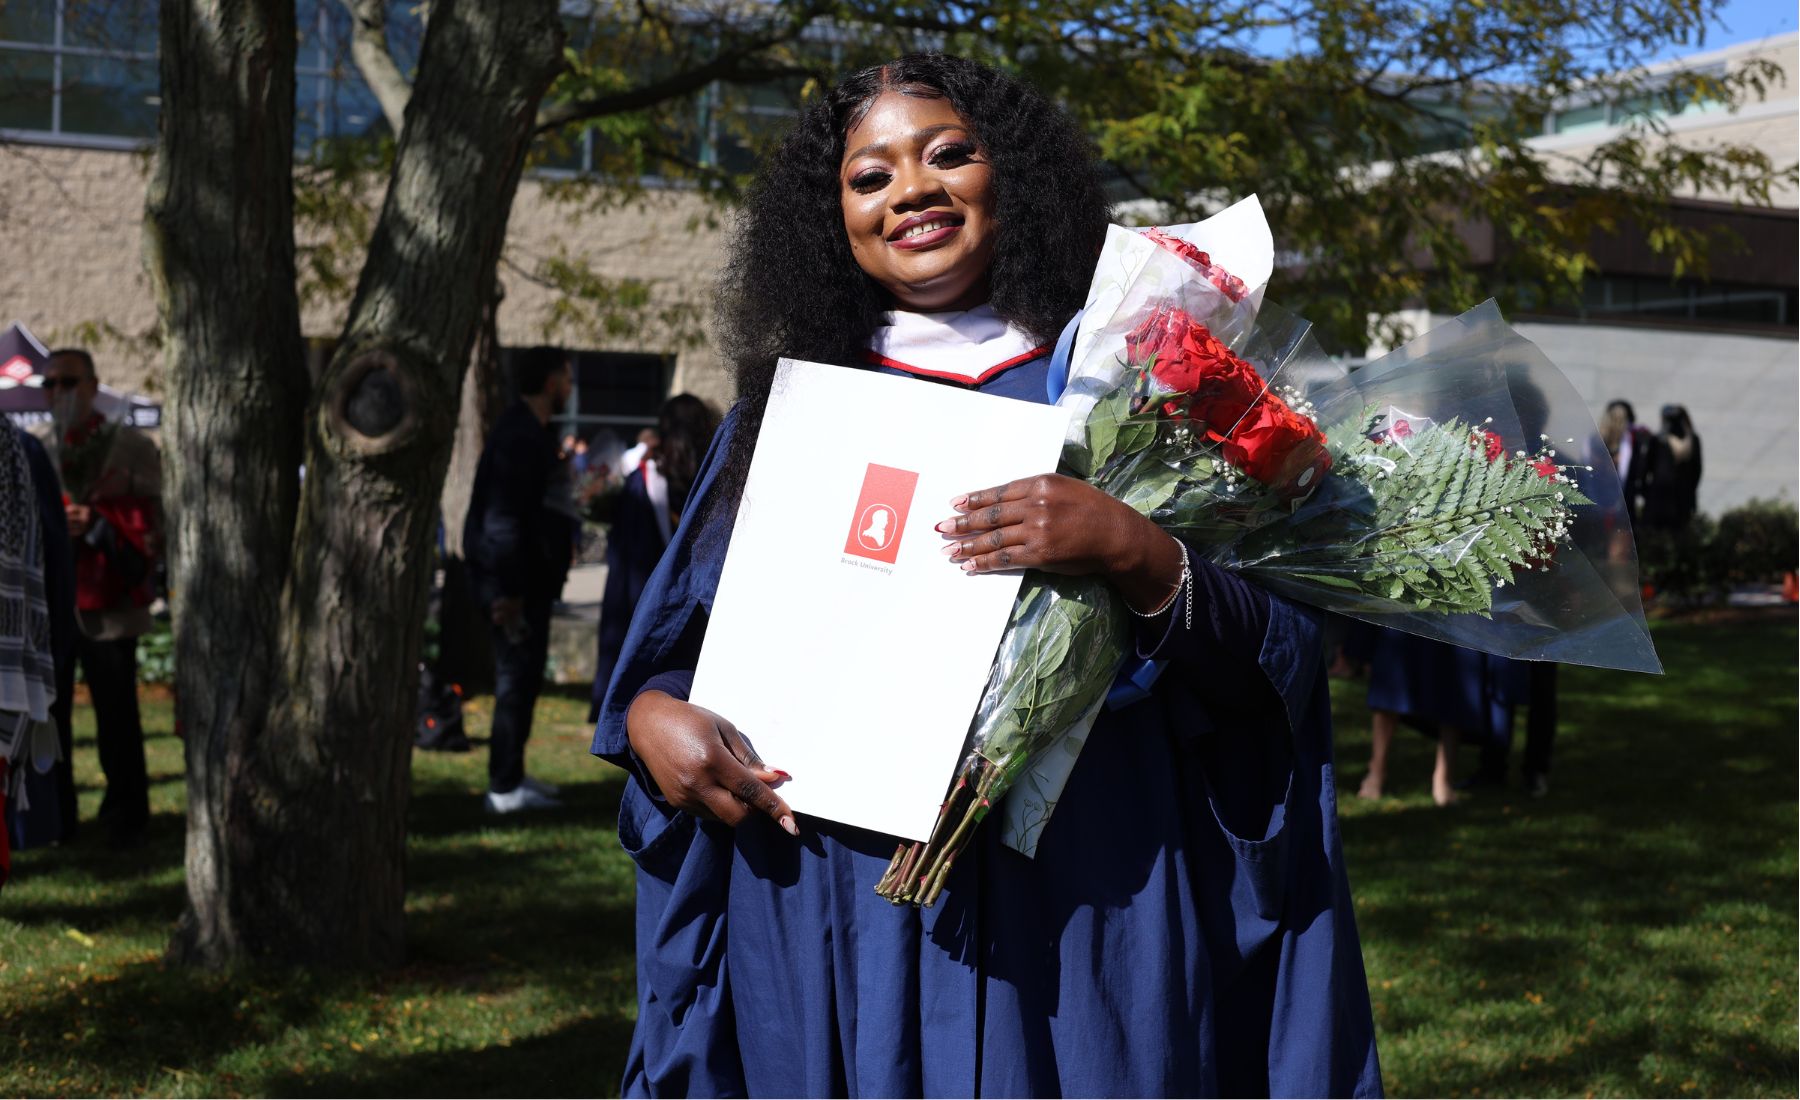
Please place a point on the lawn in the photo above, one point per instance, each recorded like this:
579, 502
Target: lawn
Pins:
1632, 933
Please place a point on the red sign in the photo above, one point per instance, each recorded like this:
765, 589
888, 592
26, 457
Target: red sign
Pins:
880, 516
18, 368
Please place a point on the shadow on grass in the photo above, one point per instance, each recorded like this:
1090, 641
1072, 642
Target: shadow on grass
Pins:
518, 913
444, 809
562, 1063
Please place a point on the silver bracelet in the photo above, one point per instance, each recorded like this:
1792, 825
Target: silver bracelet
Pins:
1184, 584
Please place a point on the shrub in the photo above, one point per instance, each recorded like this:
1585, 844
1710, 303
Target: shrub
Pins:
1757, 541
1680, 564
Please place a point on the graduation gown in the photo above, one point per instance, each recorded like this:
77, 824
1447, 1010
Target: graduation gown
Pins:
1185, 929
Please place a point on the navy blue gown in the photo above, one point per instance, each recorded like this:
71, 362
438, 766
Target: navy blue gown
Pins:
1431, 684
1185, 929
634, 545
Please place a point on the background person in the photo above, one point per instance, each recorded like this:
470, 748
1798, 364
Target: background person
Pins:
111, 477
1631, 446
518, 540
37, 645
644, 515
1451, 694
1673, 494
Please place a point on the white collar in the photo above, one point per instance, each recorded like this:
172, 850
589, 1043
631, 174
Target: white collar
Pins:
970, 345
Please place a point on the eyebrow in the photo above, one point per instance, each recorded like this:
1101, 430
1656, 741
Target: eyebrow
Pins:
920, 136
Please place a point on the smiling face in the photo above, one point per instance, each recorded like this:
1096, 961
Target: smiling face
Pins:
918, 203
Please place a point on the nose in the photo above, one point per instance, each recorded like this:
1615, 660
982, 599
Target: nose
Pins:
913, 186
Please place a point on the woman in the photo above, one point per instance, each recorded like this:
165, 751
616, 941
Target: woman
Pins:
1672, 495
1449, 693
1186, 927
643, 519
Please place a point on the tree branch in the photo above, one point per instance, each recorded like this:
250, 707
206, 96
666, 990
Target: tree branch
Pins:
738, 64
369, 49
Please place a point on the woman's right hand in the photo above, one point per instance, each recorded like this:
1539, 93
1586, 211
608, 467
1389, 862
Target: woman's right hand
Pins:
702, 764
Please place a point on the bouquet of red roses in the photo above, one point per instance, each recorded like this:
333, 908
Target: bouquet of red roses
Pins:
1225, 424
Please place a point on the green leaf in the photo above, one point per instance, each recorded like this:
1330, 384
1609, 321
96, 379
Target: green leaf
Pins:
1152, 488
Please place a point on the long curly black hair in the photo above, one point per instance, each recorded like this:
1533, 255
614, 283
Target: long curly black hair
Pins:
791, 286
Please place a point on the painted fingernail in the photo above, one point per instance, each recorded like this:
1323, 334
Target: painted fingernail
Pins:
969, 566
787, 822
946, 527
960, 501
951, 549
784, 776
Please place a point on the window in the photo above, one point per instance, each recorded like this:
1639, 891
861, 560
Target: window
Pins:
84, 72
1689, 300
620, 392
79, 69
331, 100
1653, 103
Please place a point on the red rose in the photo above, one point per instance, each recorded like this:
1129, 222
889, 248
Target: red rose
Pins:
1278, 447
1546, 468
1492, 443
1228, 401
1228, 284
1400, 430
1183, 351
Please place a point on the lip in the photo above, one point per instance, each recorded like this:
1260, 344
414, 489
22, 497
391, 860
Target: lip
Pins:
926, 240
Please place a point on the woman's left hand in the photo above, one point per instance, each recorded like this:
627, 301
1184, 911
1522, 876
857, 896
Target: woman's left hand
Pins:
1063, 525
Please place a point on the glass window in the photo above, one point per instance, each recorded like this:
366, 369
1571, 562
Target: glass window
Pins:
1637, 106
109, 96
27, 90
120, 26
1575, 119
357, 112
559, 151
620, 387
306, 25
309, 111
28, 21
405, 34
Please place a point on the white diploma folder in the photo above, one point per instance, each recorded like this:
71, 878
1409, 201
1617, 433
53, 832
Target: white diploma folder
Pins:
842, 642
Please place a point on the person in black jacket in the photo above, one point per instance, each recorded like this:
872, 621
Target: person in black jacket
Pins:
1672, 496
517, 540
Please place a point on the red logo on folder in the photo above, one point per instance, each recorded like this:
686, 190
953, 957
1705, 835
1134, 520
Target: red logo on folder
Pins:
880, 516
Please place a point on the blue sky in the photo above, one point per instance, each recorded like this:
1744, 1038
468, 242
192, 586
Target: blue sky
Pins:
1746, 21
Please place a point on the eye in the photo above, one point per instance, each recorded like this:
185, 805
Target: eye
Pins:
952, 155
868, 180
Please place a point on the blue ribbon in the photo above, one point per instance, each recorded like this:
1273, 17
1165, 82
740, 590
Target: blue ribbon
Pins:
1057, 378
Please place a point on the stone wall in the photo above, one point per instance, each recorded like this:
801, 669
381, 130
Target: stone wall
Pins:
74, 220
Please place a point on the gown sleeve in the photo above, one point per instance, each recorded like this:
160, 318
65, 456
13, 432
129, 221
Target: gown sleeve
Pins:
1246, 653
1242, 684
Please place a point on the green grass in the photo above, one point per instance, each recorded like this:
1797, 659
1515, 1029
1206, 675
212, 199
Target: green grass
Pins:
1632, 933
520, 979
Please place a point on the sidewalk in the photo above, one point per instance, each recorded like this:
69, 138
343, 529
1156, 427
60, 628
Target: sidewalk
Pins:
575, 626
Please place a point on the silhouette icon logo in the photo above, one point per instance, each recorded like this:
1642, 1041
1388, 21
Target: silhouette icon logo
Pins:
880, 517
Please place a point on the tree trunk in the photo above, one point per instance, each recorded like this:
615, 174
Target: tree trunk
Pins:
219, 246
315, 856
